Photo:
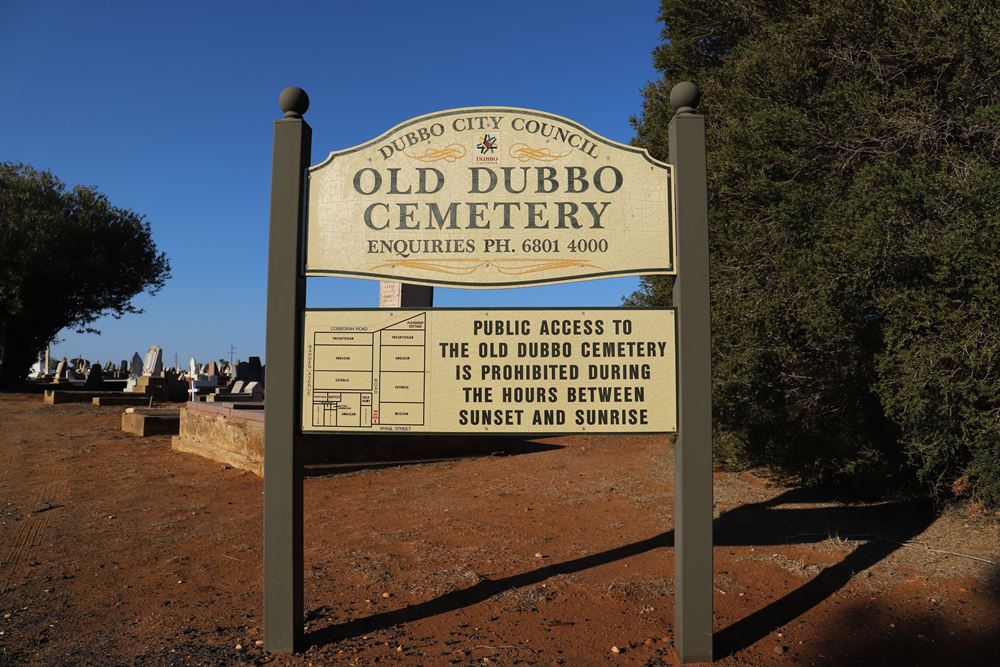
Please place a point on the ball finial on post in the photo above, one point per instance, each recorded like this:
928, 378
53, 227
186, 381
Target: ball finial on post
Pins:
684, 97
293, 101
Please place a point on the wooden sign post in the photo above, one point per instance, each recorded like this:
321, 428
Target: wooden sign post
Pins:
488, 197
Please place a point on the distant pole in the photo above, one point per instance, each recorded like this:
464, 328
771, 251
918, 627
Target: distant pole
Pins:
693, 452
231, 350
286, 289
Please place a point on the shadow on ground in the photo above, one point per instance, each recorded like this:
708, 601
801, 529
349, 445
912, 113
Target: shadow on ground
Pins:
353, 453
885, 526
774, 522
877, 634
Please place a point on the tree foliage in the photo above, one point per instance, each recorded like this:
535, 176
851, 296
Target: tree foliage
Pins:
67, 257
854, 203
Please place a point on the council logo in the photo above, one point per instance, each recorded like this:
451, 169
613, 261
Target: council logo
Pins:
487, 145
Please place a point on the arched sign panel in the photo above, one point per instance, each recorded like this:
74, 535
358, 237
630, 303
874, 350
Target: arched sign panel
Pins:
490, 197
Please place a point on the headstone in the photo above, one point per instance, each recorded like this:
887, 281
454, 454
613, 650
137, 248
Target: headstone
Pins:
243, 371
255, 367
193, 369
237, 387
123, 368
61, 369
253, 388
95, 377
134, 371
135, 368
211, 369
152, 365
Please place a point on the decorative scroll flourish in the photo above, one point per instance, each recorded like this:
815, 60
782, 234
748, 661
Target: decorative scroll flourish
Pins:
510, 267
449, 153
524, 153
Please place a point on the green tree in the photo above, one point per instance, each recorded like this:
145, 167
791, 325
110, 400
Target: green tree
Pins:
67, 257
854, 203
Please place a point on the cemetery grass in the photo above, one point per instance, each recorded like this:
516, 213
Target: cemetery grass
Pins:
115, 550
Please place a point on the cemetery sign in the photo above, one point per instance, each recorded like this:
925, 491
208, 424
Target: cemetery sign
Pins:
490, 197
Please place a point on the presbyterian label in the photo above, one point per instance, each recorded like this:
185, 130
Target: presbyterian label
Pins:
599, 370
490, 197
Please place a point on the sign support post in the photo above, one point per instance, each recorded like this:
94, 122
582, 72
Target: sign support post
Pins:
286, 290
693, 448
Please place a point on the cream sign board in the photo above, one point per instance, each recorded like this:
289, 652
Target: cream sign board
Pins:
598, 370
488, 197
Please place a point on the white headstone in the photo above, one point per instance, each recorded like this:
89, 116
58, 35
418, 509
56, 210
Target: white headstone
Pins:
153, 363
193, 368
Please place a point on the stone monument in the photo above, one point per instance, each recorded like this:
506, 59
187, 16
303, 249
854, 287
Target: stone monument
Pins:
60, 371
152, 365
95, 378
151, 381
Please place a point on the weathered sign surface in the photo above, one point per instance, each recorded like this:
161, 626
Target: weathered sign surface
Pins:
490, 197
594, 370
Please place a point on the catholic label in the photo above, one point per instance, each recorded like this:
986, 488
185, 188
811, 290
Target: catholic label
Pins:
490, 197
598, 370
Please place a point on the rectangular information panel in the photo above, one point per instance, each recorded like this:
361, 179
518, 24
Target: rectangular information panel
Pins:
594, 370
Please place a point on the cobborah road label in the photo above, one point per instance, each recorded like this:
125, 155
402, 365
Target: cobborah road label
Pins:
490, 197
595, 370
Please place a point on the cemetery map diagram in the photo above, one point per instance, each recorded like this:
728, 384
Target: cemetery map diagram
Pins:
364, 378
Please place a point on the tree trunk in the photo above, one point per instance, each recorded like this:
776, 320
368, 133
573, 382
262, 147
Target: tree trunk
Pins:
15, 358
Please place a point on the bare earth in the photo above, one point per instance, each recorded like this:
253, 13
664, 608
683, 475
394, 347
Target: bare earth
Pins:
115, 550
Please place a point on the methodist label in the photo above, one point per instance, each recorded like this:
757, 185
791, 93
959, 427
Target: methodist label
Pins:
490, 197
598, 370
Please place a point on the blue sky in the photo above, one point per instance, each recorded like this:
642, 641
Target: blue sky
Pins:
168, 108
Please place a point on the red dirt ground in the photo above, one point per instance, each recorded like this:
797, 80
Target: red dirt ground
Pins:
116, 550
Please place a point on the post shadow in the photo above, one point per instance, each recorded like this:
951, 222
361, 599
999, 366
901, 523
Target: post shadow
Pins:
906, 519
737, 527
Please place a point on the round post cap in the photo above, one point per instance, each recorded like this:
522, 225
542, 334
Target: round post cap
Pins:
293, 101
684, 97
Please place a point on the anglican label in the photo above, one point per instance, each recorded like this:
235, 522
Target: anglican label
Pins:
490, 197
596, 370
